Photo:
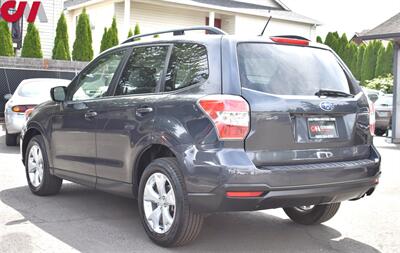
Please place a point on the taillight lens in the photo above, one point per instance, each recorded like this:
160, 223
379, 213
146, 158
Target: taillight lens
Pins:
372, 118
21, 108
230, 115
28, 112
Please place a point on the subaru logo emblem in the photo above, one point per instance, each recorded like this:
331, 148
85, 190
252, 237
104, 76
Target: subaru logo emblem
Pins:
327, 106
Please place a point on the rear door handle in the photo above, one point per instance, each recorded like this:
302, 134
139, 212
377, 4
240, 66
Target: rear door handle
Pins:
143, 110
90, 115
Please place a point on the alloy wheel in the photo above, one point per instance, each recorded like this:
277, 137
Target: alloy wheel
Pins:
159, 203
35, 165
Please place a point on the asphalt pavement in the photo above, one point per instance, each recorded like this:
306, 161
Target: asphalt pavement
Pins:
83, 220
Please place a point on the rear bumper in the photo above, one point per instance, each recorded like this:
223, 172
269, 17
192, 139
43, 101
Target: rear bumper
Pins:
291, 185
14, 122
282, 197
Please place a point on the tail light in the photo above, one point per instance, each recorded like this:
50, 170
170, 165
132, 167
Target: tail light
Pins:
372, 118
21, 108
230, 115
28, 112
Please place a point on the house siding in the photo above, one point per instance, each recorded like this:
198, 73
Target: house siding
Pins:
251, 26
47, 31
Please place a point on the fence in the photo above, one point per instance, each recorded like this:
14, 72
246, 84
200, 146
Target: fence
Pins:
14, 70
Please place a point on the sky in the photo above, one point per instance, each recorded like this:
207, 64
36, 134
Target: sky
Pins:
347, 16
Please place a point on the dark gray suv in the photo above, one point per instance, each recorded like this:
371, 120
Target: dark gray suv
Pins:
192, 125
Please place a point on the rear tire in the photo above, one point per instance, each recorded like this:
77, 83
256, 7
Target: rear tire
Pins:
186, 223
36, 161
380, 132
316, 215
11, 139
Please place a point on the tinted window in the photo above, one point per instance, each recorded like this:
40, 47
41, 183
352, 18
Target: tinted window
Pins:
188, 66
36, 90
94, 82
289, 70
143, 71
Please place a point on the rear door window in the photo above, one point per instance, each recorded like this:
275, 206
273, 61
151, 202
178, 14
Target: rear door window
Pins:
143, 71
289, 70
188, 66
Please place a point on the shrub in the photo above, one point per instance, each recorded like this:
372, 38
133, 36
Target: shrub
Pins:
82, 49
319, 39
31, 47
61, 39
105, 42
137, 30
113, 33
130, 33
383, 83
6, 44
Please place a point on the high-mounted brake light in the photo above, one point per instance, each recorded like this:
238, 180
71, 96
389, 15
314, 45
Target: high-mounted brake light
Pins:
230, 115
290, 41
372, 120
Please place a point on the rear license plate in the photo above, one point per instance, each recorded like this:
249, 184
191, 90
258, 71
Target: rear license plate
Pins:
322, 128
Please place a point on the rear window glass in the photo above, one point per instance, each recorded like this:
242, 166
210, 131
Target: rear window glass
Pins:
289, 70
35, 90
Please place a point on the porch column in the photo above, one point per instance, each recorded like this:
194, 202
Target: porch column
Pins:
211, 18
127, 16
396, 94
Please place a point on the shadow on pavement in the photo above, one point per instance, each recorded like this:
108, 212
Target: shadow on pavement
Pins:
92, 221
5, 149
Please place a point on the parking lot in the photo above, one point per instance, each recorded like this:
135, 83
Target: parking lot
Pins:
81, 219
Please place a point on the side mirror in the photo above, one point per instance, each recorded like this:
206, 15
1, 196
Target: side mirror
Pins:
58, 94
7, 96
373, 97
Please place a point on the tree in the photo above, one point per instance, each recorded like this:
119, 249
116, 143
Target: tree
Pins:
380, 62
59, 51
105, 42
331, 41
61, 35
350, 56
113, 33
369, 60
360, 57
137, 30
319, 39
389, 55
31, 47
6, 45
130, 33
341, 48
82, 49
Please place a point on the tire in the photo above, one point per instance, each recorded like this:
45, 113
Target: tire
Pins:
316, 215
380, 132
49, 184
11, 139
186, 224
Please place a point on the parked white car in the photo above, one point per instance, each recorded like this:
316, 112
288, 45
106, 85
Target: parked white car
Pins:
30, 92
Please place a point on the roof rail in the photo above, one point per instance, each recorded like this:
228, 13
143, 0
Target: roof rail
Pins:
181, 31
292, 37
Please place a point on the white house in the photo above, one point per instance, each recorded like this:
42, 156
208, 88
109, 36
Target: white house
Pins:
247, 17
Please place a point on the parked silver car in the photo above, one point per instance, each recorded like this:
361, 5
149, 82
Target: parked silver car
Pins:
29, 93
383, 116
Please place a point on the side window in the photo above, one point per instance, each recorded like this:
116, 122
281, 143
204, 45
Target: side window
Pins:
188, 66
143, 70
94, 82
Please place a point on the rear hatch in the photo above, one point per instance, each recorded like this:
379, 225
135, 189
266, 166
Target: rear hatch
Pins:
304, 108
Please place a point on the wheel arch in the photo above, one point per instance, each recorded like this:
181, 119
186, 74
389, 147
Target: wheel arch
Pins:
32, 131
146, 156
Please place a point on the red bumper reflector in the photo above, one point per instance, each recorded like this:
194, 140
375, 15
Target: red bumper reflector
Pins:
243, 194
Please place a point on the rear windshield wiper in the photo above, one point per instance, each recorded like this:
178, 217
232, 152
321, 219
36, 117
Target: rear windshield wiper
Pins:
333, 93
